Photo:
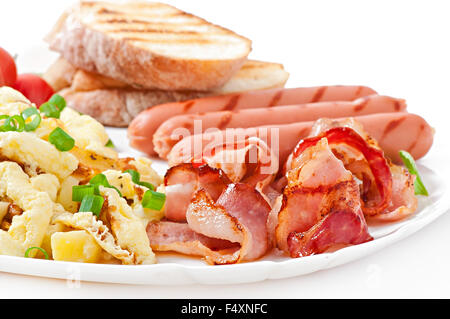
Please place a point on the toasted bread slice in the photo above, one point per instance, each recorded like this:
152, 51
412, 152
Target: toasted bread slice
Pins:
116, 104
149, 45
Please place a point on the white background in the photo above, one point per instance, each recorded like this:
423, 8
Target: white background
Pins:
399, 48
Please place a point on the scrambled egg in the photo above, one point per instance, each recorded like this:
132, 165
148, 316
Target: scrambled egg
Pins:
36, 180
28, 229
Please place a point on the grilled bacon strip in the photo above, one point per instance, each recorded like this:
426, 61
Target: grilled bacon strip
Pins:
183, 181
402, 201
231, 230
374, 156
319, 197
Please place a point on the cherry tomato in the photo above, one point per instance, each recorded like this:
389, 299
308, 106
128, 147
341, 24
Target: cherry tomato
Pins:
34, 88
8, 70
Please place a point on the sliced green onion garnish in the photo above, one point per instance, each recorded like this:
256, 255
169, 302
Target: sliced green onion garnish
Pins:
58, 101
110, 144
136, 178
14, 123
410, 164
148, 185
92, 203
50, 110
153, 200
3, 117
33, 113
53, 107
79, 191
27, 252
62, 141
101, 179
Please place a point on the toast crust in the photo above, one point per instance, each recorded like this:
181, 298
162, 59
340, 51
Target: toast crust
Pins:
125, 57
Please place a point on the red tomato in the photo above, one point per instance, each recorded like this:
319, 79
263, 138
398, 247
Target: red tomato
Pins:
34, 88
8, 70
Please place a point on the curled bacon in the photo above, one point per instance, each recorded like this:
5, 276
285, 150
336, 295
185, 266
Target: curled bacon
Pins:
249, 161
182, 181
231, 230
339, 227
374, 156
319, 199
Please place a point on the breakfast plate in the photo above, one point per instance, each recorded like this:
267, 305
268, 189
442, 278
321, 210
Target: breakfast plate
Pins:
179, 270
303, 171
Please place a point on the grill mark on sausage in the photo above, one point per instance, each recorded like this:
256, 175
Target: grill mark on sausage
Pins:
232, 103
358, 91
392, 125
319, 94
414, 144
276, 99
225, 120
187, 106
361, 106
397, 106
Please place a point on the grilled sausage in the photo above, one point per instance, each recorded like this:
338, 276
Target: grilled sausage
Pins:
142, 128
166, 136
393, 131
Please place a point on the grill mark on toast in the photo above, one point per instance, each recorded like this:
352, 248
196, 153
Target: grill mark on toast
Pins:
168, 41
150, 30
125, 20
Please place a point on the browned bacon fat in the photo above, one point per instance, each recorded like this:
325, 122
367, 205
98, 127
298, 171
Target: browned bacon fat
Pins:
183, 181
321, 206
231, 230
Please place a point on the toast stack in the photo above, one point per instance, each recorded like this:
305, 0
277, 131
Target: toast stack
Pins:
118, 59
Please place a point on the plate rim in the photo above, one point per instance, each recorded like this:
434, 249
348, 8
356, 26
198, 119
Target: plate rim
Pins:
195, 274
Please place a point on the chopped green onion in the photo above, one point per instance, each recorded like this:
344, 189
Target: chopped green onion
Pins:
27, 252
34, 123
50, 110
58, 101
62, 141
92, 203
79, 191
410, 164
110, 144
136, 178
148, 185
101, 179
14, 123
53, 107
3, 117
153, 200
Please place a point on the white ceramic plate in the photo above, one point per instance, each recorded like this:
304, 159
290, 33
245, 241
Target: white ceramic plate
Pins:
176, 269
